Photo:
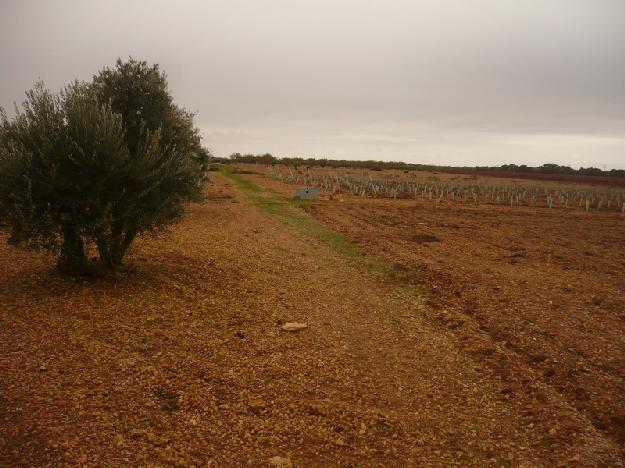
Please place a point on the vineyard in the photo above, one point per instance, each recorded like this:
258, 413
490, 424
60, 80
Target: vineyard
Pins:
467, 190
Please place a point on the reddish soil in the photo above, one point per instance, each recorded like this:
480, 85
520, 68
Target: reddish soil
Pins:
490, 343
545, 289
570, 178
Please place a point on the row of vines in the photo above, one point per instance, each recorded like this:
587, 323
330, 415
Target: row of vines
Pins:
428, 188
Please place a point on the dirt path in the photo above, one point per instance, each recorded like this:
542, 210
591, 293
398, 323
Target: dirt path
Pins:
182, 359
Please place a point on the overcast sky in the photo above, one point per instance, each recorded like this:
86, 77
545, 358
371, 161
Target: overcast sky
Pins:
460, 82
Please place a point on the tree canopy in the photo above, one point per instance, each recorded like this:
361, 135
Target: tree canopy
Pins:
97, 163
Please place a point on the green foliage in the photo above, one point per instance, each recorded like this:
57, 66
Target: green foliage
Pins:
97, 163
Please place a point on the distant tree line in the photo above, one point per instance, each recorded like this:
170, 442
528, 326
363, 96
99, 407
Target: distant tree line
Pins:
556, 169
398, 165
309, 162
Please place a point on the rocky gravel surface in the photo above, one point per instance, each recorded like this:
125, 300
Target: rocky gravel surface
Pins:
184, 360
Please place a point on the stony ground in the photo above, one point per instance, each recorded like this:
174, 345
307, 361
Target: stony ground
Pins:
182, 359
545, 288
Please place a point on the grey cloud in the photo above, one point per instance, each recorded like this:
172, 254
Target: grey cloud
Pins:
453, 81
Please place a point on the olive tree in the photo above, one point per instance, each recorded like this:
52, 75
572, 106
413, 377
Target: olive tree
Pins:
97, 164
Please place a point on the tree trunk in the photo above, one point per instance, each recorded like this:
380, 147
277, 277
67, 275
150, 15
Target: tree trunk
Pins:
72, 261
112, 247
104, 251
120, 248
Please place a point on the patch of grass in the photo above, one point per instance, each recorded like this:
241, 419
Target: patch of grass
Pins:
240, 181
288, 211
